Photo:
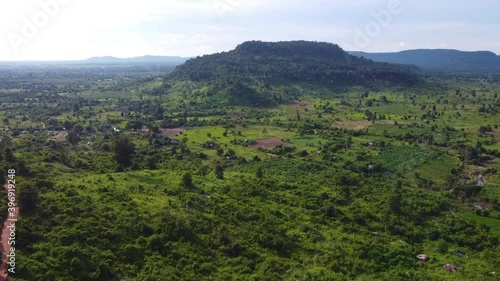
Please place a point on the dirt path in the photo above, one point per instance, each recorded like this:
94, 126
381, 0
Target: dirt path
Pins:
5, 238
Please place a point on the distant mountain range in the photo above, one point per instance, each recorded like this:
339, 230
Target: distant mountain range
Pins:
163, 60
440, 59
144, 59
302, 52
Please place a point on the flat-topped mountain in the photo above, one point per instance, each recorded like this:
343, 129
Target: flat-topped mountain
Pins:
315, 63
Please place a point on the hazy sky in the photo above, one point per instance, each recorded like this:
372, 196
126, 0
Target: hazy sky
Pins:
78, 29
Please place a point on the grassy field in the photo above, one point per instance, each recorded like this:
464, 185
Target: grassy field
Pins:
493, 221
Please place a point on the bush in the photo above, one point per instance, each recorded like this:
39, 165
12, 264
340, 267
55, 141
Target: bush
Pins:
187, 180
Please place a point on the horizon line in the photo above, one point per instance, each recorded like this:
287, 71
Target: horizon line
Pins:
189, 57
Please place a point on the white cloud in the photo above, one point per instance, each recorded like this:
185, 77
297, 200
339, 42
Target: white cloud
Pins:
85, 28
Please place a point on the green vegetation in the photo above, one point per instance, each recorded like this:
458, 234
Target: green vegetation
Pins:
149, 178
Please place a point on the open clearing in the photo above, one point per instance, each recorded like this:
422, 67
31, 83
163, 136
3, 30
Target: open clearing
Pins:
170, 133
58, 136
495, 133
352, 125
269, 143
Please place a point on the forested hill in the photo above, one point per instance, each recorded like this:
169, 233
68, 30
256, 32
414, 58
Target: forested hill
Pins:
282, 63
446, 60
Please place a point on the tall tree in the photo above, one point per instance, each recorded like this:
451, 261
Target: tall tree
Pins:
187, 180
124, 150
219, 172
73, 137
259, 173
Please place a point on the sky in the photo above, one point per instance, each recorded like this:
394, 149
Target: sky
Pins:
79, 29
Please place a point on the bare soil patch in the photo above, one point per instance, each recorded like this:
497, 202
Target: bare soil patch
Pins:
352, 125
495, 133
58, 136
170, 133
362, 124
299, 105
269, 143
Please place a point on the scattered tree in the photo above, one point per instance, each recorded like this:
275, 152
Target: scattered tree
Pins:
124, 150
